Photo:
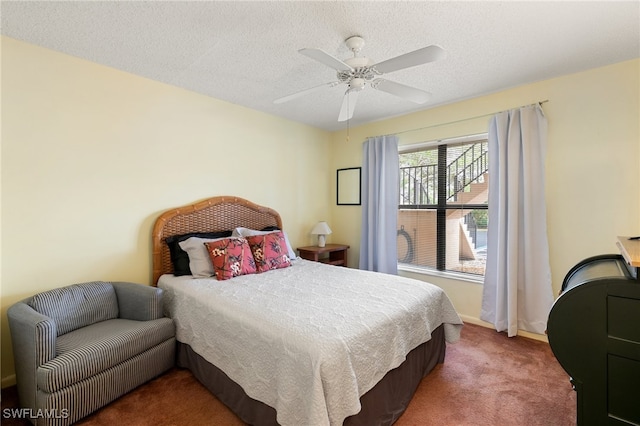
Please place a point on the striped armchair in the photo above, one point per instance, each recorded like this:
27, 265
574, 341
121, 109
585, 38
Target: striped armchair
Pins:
79, 347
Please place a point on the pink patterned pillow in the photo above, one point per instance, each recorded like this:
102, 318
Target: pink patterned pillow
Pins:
270, 251
231, 257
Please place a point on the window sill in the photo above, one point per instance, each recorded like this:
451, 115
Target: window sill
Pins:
460, 276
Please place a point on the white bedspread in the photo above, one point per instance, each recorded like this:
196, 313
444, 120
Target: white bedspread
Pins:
310, 339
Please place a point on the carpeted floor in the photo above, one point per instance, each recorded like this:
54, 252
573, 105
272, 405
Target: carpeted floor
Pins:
486, 379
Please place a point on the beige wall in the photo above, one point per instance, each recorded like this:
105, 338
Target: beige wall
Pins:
592, 168
91, 156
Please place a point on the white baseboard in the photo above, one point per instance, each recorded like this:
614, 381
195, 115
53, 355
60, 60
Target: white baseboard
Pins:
8, 381
478, 321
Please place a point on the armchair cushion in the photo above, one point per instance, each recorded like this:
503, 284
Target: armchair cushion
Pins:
77, 305
90, 350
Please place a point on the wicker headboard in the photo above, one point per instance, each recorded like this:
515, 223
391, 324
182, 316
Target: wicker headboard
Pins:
210, 215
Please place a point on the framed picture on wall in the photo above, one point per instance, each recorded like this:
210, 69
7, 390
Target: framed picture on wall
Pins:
348, 183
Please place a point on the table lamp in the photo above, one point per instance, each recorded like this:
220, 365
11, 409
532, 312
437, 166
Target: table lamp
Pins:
321, 230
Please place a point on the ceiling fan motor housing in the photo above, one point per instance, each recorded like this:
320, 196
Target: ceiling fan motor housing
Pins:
361, 70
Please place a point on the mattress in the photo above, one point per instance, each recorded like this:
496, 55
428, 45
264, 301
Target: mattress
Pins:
311, 339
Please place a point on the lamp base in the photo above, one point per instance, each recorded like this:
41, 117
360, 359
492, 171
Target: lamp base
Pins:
321, 240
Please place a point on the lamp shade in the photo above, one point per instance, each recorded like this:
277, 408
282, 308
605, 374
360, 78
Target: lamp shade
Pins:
321, 228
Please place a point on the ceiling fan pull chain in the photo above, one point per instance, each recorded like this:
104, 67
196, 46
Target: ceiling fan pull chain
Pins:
347, 131
348, 120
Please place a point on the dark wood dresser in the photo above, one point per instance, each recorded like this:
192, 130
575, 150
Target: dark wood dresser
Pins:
594, 332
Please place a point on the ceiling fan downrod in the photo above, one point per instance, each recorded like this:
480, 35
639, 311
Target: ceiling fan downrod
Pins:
361, 71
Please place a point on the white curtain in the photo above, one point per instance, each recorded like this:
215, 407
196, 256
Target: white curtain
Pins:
517, 291
380, 197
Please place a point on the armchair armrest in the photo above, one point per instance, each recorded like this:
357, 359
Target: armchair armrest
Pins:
33, 336
138, 302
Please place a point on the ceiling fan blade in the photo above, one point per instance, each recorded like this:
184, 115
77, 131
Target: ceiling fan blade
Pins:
348, 104
305, 92
324, 58
411, 59
406, 92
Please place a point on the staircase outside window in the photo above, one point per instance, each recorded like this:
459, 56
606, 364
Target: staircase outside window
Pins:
443, 208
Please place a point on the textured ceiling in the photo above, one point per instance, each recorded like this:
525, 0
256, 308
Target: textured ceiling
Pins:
247, 52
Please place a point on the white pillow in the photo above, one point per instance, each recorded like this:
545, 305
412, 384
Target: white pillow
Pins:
246, 232
199, 260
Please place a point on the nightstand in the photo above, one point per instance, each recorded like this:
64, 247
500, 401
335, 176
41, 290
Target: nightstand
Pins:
333, 254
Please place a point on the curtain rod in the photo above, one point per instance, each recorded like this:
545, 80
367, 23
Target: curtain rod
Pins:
461, 120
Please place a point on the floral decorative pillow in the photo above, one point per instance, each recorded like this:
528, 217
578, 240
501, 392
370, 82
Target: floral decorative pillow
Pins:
231, 257
246, 232
270, 251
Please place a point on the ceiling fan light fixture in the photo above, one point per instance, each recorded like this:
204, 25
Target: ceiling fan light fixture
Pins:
357, 83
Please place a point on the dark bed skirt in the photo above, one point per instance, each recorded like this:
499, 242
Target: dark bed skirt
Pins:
382, 405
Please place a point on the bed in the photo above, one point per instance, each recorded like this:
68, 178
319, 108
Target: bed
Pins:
305, 344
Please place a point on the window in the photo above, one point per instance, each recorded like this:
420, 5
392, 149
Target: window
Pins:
443, 208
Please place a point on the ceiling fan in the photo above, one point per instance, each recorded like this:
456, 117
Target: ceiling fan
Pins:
360, 71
